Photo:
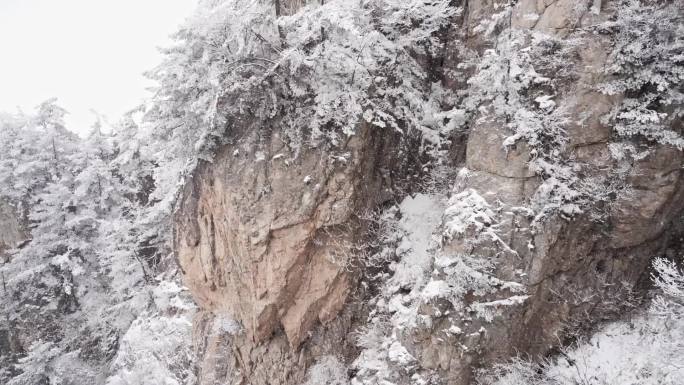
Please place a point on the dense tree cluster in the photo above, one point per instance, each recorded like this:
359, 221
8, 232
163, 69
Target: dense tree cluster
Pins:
91, 265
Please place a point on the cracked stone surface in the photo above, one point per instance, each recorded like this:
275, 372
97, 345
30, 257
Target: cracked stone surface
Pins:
265, 237
261, 235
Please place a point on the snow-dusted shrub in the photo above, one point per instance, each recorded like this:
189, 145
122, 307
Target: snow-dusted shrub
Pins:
420, 217
468, 210
420, 273
644, 351
383, 361
414, 24
315, 74
561, 191
383, 236
412, 242
470, 217
669, 279
157, 346
514, 86
155, 349
328, 370
647, 67
36, 365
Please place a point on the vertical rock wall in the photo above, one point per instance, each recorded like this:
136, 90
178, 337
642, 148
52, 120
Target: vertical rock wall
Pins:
576, 272
267, 238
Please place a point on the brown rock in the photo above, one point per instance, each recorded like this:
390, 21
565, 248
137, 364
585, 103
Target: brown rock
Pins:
265, 236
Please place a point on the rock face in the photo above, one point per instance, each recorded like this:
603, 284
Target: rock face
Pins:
268, 238
265, 236
576, 272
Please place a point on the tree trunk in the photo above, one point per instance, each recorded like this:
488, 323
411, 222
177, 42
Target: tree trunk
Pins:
281, 33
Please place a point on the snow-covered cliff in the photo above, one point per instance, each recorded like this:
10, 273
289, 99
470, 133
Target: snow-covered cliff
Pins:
363, 192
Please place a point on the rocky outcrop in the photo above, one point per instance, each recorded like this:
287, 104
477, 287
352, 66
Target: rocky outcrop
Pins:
269, 238
227, 356
577, 272
265, 234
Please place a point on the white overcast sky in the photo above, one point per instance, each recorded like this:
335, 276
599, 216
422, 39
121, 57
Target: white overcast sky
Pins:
90, 54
